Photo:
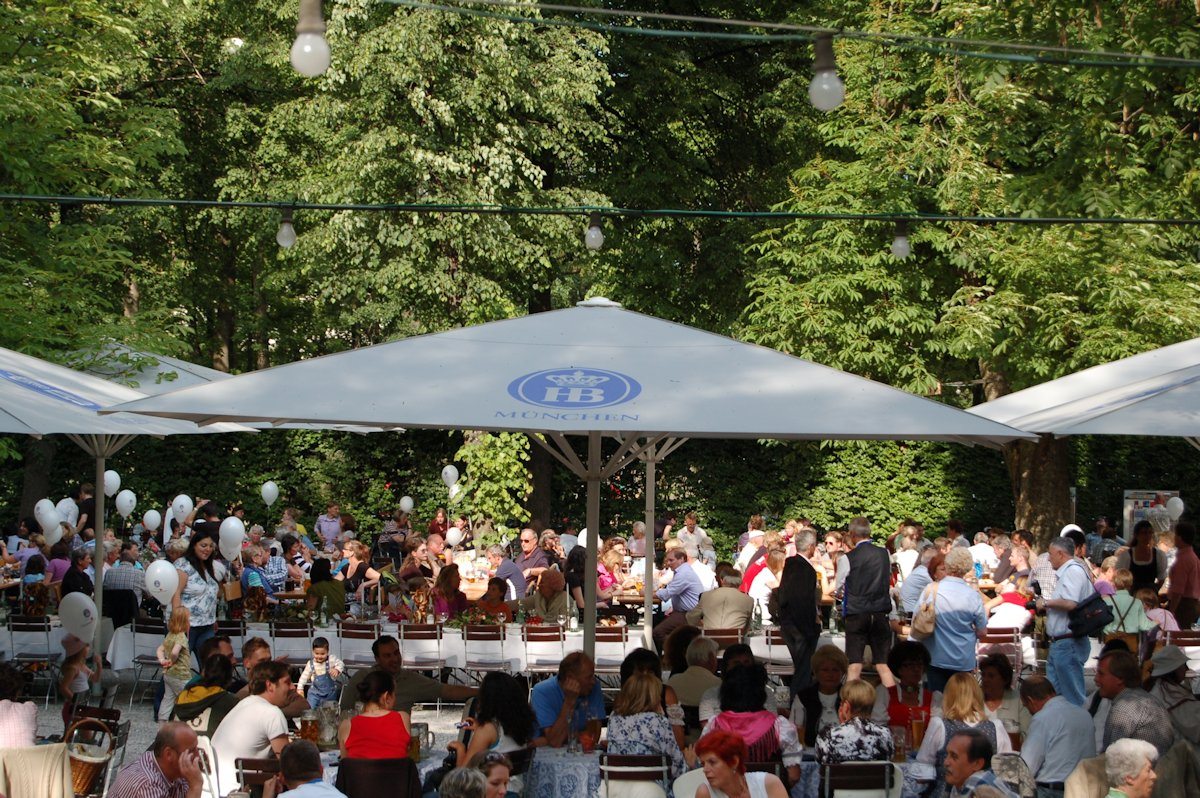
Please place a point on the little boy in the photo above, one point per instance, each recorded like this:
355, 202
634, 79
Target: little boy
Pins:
321, 675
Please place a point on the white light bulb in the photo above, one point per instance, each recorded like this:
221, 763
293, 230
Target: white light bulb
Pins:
594, 238
310, 54
901, 249
286, 236
826, 90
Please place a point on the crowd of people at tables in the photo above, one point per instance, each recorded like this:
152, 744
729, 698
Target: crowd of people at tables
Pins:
927, 698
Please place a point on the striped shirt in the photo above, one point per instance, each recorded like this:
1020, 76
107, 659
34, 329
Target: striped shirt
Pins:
144, 779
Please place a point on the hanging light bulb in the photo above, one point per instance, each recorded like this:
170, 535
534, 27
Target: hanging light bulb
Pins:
595, 236
901, 248
310, 51
826, 91
286, 235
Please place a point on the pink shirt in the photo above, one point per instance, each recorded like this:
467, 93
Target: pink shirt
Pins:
18, 724
1185, 574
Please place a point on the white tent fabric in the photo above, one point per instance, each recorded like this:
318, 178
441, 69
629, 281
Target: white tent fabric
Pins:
1152, 393
41, 398
594, 370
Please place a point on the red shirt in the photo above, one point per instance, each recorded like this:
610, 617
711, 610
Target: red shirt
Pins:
381, 737
1185, 574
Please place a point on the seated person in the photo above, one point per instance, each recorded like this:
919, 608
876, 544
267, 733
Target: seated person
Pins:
856, 738
378, 731
204, 705
492, 602
568, 700
769, 737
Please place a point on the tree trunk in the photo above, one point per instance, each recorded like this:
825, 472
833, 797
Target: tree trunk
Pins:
1038, 470
541, 464
39, 456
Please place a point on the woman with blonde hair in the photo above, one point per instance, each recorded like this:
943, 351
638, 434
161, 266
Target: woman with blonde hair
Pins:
962, 708
638, 726
767, 580
358, 575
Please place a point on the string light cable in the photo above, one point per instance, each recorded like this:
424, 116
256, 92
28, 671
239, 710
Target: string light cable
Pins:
1018, 52
595, 212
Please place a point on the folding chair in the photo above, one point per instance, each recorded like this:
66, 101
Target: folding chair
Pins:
255, 772
483, 646
378, 778
356, 630
611, 642
633, 767
774, 766
875, 776
1006, 641
148, 634
284, 637
235, 630
30, 650
421, 646
725, 638
208, 767
545, 649
121, 740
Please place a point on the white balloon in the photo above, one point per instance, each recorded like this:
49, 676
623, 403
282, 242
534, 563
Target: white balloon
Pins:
583, 536
78, 614
406, 504
126, 501
47, 515
449, 475
182, 507
454, 536
151, 520
112, 483
230, 537
270, 492
454, 491
162, 580
68, 509
1175, 507
568, 542
52, 534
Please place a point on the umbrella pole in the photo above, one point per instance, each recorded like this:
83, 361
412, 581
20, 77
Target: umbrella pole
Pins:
102, 443
648, 628
593, 538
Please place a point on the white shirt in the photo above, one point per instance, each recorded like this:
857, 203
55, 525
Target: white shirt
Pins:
704, 543
706, 575
246, 733
747, 555
985, 555
906, 560
1074, 585
313, 789
760, 590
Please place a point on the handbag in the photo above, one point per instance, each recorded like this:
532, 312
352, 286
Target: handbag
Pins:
924, 618
1090, 616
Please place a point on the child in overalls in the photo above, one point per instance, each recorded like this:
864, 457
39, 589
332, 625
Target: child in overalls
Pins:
321, 675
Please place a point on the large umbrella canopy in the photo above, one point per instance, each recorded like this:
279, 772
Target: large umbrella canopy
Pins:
592, 370
1153, 393
41, 398
575, 371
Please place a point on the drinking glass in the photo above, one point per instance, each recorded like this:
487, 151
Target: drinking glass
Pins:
900, 741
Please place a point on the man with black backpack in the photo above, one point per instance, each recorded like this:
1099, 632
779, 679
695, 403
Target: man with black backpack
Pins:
1068, 653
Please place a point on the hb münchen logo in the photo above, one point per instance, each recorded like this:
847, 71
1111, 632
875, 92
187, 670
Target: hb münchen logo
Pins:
574, 387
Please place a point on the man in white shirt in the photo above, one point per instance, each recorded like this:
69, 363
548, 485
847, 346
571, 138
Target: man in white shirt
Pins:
983, 553
706, 575
692, 532
256, 727
1064, 663
753, 544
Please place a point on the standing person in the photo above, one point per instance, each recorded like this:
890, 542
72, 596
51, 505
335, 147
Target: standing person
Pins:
1064, 662
199, 580
319, 679
959, 620
918, 579
328, 527
1060, 736
692, 532
1143, 559
439, 525
170, 769
75, 675
1183, 594
359, 576
866, 603
799, 602
956, 533
766, 582
683, 591
176, 661
86, 525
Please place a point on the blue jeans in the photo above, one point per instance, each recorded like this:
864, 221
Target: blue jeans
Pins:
1064, 667
321, 690
197, 636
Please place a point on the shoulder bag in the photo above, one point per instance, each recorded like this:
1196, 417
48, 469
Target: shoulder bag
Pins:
924, 618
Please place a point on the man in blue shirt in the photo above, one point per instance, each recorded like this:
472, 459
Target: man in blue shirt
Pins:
683, 591
918, 579
566, 702
960, 620
508, 571
1064, 662
1061, 735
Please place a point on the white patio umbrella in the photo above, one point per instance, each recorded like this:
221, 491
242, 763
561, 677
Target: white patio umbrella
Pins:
593, 370
41, 398
1152, 393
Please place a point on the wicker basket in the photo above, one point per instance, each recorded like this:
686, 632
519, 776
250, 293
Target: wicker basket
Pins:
88, 760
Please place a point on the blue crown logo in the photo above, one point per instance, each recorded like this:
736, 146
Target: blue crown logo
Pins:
574, 388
